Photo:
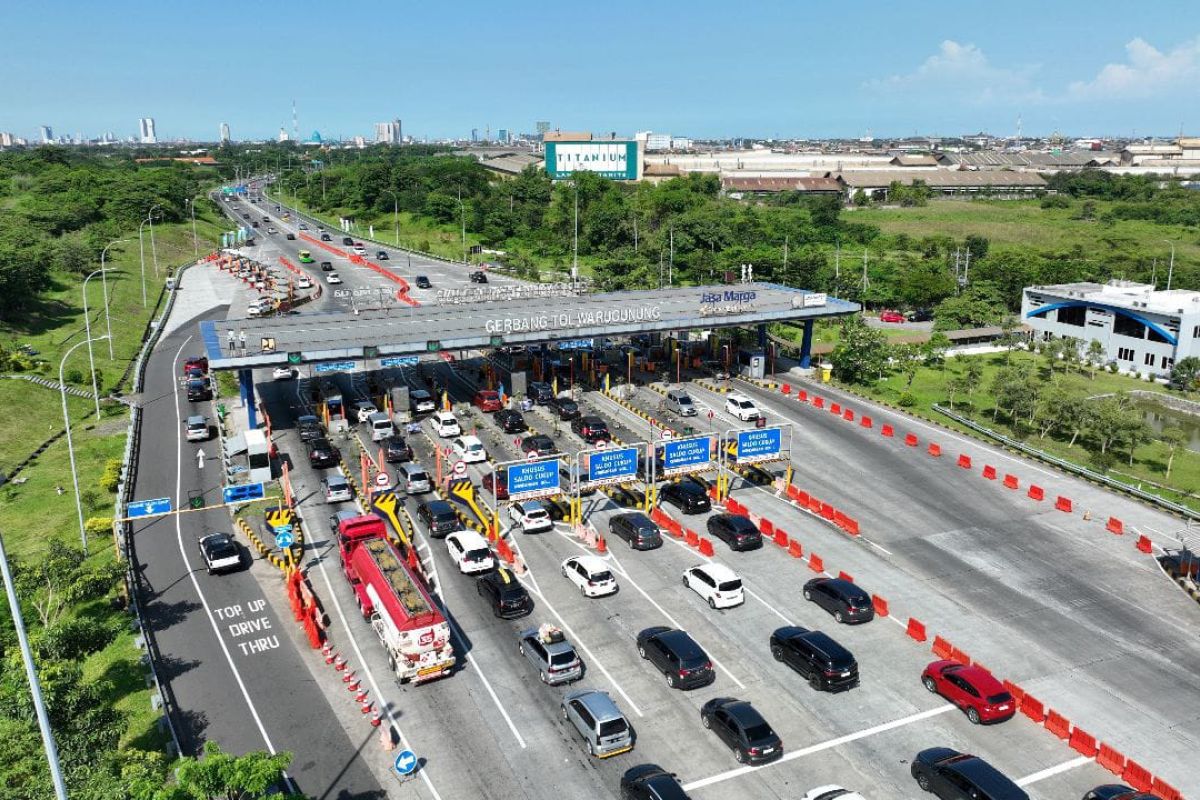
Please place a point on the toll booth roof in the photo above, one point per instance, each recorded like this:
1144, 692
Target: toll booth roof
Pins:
409, 331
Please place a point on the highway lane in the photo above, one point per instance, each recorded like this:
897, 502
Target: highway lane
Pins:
229, 658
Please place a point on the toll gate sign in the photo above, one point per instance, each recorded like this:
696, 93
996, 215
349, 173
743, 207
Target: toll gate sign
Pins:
686, 455
611, 466
759, 445
533, 479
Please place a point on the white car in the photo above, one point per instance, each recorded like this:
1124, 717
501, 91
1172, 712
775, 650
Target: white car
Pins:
445, 424
304, 283
742, 407
336, 488
531, 516
469, 449
470, 552
283, 373
831, 792
591, 575
332, 277
363, 409
718, 585
360, 251
220, 552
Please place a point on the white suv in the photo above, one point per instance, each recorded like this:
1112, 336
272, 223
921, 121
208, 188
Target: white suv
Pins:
591, 575
742, 407
716, 584
470, 552
469, 449
531, 516
445, 424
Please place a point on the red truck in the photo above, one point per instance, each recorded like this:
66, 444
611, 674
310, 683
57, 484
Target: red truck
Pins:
394, 600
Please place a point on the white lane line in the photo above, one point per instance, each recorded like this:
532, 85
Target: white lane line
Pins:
486, 683
237, 675
1057, 769
816, 748
670, 619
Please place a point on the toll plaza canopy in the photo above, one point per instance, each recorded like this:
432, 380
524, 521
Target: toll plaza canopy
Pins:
397, 332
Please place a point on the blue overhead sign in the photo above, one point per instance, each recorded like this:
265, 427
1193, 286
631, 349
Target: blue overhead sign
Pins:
533, 479
149, 508
398, 361
333, 366
758, 445
575, 344
686, 455
612, 466
243, 493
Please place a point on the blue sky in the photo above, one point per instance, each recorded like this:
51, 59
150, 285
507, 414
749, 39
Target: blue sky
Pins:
699, 68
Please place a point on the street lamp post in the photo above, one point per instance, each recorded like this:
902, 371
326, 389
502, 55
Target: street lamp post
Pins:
142, 258
104, 285
1171, 268
462, 211
191, 204
87, 325
153, 249
62, 387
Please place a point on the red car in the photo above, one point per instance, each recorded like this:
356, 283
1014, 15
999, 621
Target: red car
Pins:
971, 688
487, 400
501, 480
891, 316
195, 362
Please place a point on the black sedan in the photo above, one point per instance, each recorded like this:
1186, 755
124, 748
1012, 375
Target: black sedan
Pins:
1117, 791
742, 729
291, 237
650, 782
381, 255
538, 443
846, 601
736, 531
325, 237
423, 282
510, 421
322, 454
396, 450
565, 407
326, 266
687, 496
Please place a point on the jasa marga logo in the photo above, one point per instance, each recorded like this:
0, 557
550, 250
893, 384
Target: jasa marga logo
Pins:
729, 301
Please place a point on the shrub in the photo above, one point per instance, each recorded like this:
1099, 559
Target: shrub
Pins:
73, 639
74, 376
94, 526
111, 475
1056, 201
907, 400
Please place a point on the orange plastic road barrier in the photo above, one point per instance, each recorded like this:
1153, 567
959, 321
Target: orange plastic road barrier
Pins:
766, 527
1032, 708
802, 395
814, 504
802, 498
959, 656
1110, 758
827, 511
1144, 544
880, 605
1083, 743
964, 461
733, 506
781, 538
1036, 492
848, 415
989, 472
1166, 791
915, 630
1063, 504
851, 526
706, 548
786, 388
866, 422
911, 440
818, 402
934, 449
835, 408
941, 648
505, 551
845, 576
1016, 691
887, 430
1115, 526
1137, 776
815, 563
1057, 724
795, 549
692, 539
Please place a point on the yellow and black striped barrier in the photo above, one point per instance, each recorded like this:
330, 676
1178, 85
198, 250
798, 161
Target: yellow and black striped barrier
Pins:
387, 504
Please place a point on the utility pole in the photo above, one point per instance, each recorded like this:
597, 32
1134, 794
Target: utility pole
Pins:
671, 262
1171, 268
462, 210
35, 687
635, 234
785, 254
837, 261
575, 256
153, 248
865, 280
967, 267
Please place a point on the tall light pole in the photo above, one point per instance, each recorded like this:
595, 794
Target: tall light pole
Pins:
87, 325
153, 249
142, 257
1171, 268
462, 210
191, 204
395, 211
35, 687
575, 254
62, 388
104, 284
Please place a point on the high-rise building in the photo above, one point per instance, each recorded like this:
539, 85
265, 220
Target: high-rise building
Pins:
47, 134
283, 134
502, 135
146, 130
387, 132
6, 139
224, 133
474, 134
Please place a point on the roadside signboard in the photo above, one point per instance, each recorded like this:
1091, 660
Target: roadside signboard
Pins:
609, 466
686, 455
149, 508
328, 367
243, 493
533, 479
398, 361
285, 538
460, 468
759, 445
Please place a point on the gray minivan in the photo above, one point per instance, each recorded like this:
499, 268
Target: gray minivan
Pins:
597, 719
638, 531
679, 402
414, 478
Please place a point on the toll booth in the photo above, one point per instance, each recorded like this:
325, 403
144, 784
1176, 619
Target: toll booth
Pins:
752, 364
335, 410
258, 456
398, 397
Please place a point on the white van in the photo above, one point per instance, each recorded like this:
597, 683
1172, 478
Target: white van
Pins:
381, 426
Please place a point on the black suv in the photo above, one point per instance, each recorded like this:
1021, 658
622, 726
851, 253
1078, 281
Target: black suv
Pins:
198, 389
322, 454
347, 241
325, 237
326, 266
736, 531
309, 428
591, 429
505, 594
565, 407
396, 450
742, 728
510, 421
827, 665
677, 656
636, 529
541, 393
439, 518
650, 782
539, 443
952, 775
423, 282
478, 277
846, 601
687, 496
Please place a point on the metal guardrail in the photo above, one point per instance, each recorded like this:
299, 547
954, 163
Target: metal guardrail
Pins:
1068, 466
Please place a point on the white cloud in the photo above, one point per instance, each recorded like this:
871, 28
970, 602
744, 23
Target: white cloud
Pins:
1148, 72
963, 72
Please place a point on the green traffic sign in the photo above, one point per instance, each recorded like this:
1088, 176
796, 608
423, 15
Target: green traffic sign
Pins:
370, 351
433, 345
295, 358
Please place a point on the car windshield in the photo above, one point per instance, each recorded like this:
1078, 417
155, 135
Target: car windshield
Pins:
759, 732
602, 576
337, 484
1003, 697
417, 475
222, 548
474, 447
613, 726
729, 586
535, 513
562, 659
745, 404
742, 525
481, 554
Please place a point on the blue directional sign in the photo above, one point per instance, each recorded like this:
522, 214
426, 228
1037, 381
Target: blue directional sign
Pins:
333, 366
686, 455
533, 479
758, 445
612, 466
148, 508
575, 344
406, 762
243, 493
398, 361
285, 537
